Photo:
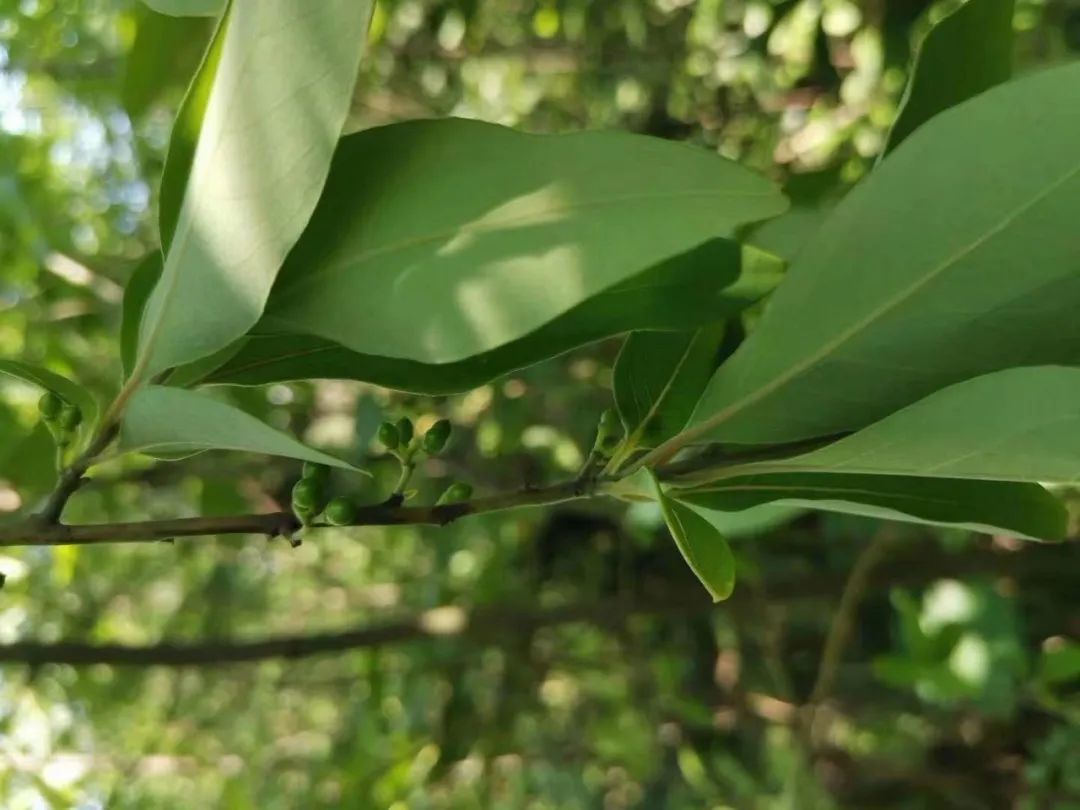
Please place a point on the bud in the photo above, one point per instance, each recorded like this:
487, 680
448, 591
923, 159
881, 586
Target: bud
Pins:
319, 473
388, 435
455, 493
340, 512
49, 406
70, 418
405, 430
608, 432
437, 436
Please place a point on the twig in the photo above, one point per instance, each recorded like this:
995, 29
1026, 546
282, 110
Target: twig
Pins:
72, 478
39, 532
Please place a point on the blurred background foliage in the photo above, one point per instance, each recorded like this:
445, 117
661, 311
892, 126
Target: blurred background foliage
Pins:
595, 673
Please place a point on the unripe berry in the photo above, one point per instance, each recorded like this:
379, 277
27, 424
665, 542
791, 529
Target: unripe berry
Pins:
70, 417
340, 512
388, 435
319, 473
455, 493
405, 430
437, 436
306, 494
50, 405
607, 432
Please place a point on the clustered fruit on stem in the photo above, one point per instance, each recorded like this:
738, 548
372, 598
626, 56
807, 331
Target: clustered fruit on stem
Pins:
310, 494
63, 420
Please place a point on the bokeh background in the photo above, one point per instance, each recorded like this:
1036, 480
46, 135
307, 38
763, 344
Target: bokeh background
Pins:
563, 658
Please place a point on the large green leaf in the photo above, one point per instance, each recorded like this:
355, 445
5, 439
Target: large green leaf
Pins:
50, 381
1021, 509
280, 90
437, 241
1022, 424
955, 258
702, 546
967, 52
138, 289
701, 286
164, 421
659, 377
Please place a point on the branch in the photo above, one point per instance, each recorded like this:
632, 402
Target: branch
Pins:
39, 532
1036, 564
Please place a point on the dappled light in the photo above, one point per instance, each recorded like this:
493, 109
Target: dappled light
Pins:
539, 404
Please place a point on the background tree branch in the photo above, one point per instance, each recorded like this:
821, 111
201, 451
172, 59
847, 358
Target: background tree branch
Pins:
913, 567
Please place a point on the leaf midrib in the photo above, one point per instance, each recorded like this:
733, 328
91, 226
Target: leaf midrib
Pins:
815, 489
312, 276
796, 370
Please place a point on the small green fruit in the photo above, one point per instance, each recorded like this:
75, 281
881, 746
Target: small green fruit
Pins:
388, 435
319, 473
405, 430
70, 417
340, 512
437, 436
609, 422
455, 493
50, 405
608, 432
306, 494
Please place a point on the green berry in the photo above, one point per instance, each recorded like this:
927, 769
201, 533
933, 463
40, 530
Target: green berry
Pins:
319, 473
70, 417
436, 437
306, 494
455, 493
405, 430
388, 435
609, 422
50, 405
607, 432
340, 512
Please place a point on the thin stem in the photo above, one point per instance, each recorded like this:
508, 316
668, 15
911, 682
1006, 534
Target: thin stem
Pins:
843, 622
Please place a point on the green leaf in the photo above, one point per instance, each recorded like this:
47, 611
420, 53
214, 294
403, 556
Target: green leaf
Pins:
1021, 509
280, 90
659, 377
171, 421
1022, 424
702, 546
187, 8
165, 52
139, 286
955, 258
968, 52
50, 381
699, 287
437, 241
